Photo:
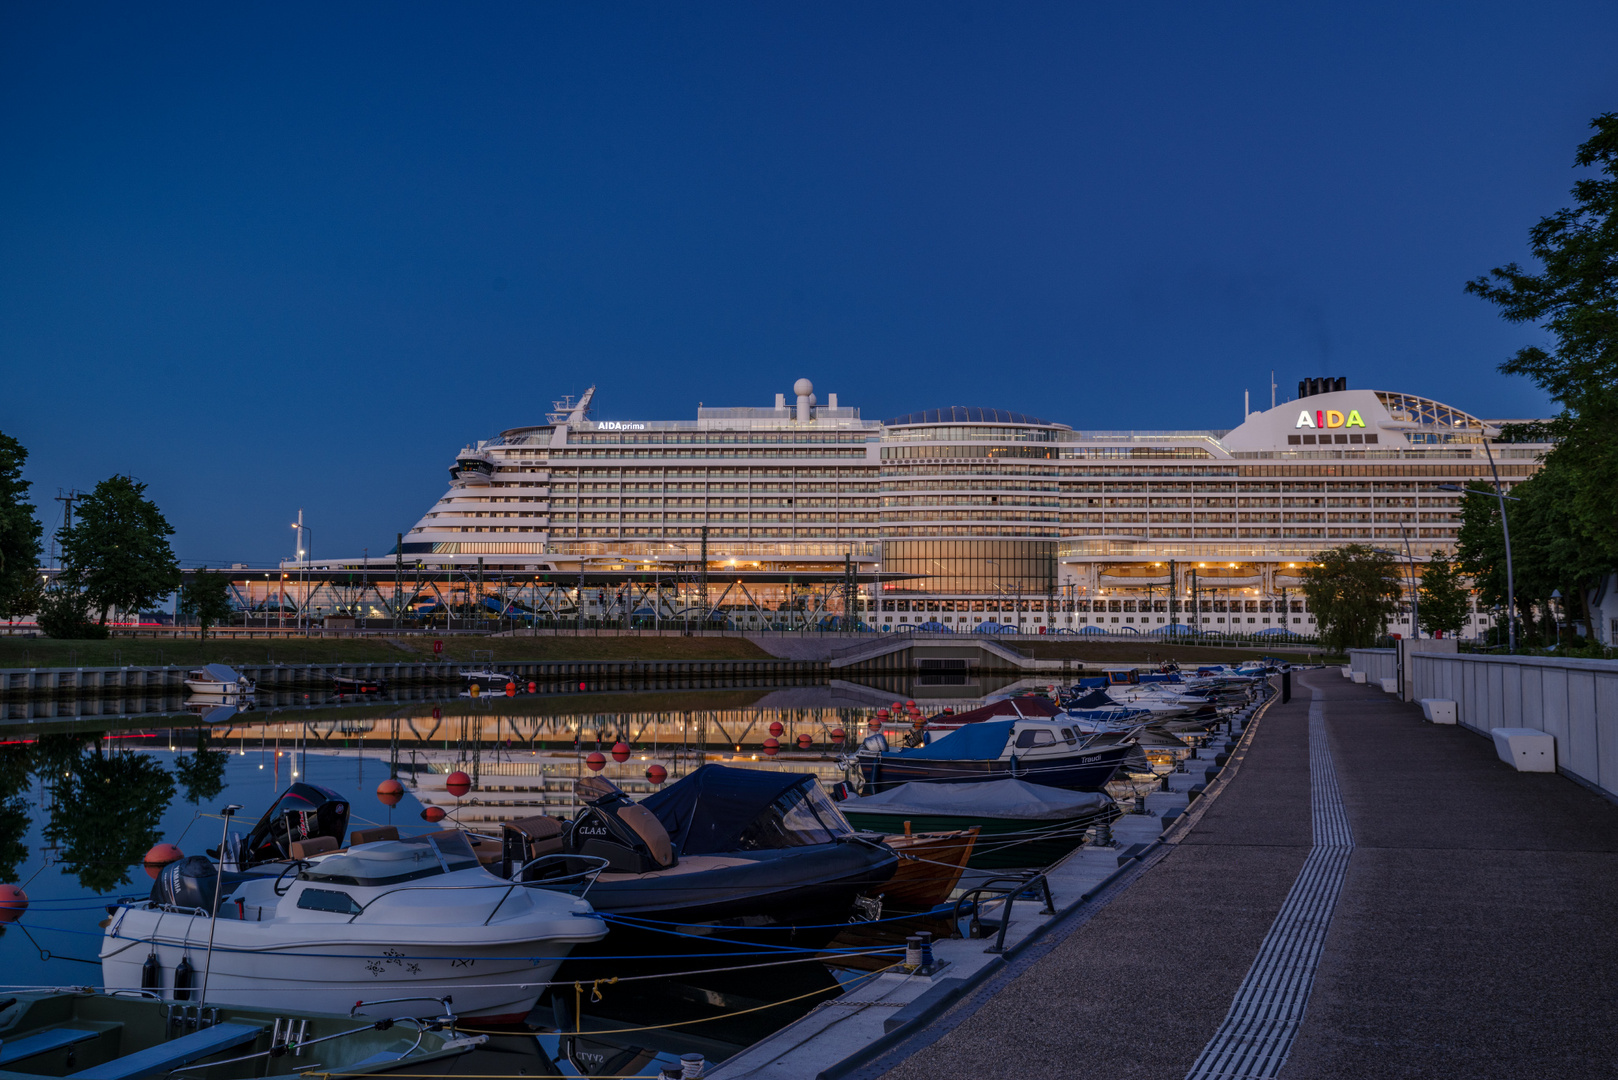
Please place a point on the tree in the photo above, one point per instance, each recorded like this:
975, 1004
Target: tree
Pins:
106, 814
19, 534
1444, 603
202, 774
64, 610
1574, 298
206, 598
118, 549
1353, 591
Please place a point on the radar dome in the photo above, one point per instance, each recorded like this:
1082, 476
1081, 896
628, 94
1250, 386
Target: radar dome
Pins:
803, 388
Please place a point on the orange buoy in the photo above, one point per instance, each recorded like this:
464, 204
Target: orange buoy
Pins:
838, 734
657, 774
160, 856
771, 747
433, 814
477, 690
620, 751
389, 792
457, 783
805, 741
13, 901
776, 729
511, 689
596, 761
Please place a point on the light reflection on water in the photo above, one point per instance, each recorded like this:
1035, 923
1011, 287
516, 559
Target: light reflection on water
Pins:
82, 800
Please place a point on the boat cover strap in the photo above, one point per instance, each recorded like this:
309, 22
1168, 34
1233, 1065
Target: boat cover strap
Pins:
42, 1042
172, 1054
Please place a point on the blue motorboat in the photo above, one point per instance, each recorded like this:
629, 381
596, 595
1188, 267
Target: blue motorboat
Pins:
1045, 751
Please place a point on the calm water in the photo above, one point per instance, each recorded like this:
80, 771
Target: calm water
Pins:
86, 794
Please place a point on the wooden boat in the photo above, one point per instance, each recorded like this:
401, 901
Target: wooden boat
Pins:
930, 866
97, 1036
1020, 824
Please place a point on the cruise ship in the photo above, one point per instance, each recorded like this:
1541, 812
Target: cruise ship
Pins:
951, 517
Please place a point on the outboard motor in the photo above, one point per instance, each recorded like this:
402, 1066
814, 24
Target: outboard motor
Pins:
303, 811
874, 744
191, 882
611, 827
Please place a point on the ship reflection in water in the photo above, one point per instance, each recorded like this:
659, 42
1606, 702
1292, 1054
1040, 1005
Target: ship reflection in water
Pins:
93, 795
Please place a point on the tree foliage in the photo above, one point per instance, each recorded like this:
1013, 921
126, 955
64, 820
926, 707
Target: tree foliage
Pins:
106, 814
1353, 591
206, 598
19, 534
1445, 603
202, 773
118, 550
1572, 532
64, 610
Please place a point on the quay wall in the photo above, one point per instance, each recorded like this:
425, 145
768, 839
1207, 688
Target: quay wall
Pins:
1574, 700
599, 674
1377, 664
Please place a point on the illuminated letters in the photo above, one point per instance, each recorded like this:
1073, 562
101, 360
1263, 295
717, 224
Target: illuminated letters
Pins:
1354, 419
1305, 420
1334, 418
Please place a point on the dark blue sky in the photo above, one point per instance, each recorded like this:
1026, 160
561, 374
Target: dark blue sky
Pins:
298, 256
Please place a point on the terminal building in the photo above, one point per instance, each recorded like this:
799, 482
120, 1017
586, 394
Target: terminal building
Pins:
948, 517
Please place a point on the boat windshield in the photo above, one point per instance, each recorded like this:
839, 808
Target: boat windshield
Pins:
798, 817
388, 862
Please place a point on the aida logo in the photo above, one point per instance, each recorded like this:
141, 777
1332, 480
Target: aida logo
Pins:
1329, 418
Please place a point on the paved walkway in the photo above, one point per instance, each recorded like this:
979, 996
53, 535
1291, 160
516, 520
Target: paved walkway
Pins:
1475, 935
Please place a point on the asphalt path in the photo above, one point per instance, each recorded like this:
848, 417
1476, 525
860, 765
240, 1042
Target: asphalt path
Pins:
1476, 934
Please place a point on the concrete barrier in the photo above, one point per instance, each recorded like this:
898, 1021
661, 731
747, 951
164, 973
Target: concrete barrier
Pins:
1357, 676
1390, 685
1574, 701
1373, 665
1525, 749
1438, 710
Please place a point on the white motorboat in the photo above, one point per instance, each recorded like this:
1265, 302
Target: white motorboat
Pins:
414, 918
218, 680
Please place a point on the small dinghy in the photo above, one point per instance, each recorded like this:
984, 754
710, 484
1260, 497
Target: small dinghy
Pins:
303, 924
1021, 824
218, 680
90, 1036
1049, 752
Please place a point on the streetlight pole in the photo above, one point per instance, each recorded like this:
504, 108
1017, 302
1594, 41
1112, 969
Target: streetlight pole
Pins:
306, 551
1505, 531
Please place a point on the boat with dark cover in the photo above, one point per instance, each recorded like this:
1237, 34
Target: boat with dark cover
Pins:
1049, 752
722, 857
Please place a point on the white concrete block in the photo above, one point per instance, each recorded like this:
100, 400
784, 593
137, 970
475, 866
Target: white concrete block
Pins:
1438, 710
1348, 672
1525, 749
1389, 686
1358, 676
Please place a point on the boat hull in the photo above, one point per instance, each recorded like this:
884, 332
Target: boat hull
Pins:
1002, 843
1085, 771
495, 980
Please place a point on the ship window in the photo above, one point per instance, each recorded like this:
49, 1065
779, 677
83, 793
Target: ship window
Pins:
1067, 733
1035, 737
328, 900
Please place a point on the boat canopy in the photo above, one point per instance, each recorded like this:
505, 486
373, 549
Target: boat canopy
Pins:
388, 862
976, 742
718, 809
221, 673
986, 799
1028, 706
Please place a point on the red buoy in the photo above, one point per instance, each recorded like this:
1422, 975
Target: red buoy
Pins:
511, 689
876, 723
457, 783
657, 774
910, 704
596, 761
776, 729
838, 734
620, 751
532, 687
433, 814
805, 741
160, 856
771, 747
882, 714
389, 792
13, 901
438, 714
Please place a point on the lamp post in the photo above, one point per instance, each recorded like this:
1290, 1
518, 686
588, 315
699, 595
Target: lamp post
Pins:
306, 546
